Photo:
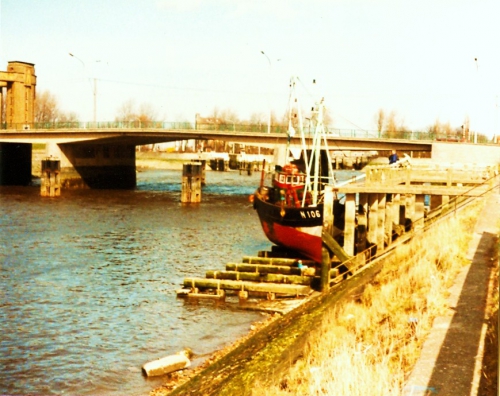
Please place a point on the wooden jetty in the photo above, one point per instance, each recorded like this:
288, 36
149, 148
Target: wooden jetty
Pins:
389, 203
258, 276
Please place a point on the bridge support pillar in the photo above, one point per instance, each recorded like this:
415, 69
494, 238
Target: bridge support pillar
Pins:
100, 166
419, 212
50, 185
15, 164
361, 244
191, 183
389, 219
381, 222
372, 218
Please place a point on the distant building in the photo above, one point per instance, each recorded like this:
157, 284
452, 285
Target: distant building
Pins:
208, 123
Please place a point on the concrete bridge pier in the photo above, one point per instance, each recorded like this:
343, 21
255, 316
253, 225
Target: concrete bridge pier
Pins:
15, 164
100, 166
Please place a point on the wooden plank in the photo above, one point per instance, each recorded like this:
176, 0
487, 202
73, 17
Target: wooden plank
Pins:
264, 268
274, 261
202, 283
258, 277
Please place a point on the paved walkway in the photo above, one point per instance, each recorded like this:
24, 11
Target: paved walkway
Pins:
451, 359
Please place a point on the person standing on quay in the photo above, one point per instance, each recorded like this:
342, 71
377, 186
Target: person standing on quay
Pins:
393, 158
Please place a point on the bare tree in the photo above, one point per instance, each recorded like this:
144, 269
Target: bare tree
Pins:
327, 117
126, 111
46, 108
380, 121
68, 117
144, 115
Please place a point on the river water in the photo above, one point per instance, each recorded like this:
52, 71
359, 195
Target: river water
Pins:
88, 280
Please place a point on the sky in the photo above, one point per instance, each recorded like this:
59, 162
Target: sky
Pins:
424, 60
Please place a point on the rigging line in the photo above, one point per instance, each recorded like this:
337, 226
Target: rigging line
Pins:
179, 88
349, 121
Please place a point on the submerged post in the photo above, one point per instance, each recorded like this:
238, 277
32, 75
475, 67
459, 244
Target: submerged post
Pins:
191, 183
50, 181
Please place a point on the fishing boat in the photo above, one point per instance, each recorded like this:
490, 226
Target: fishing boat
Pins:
290, 205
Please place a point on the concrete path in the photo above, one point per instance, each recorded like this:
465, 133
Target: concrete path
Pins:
451, 359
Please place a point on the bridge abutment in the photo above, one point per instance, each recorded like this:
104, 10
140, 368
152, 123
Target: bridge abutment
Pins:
99, 166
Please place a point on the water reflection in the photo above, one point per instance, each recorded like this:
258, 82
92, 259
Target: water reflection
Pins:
88, 280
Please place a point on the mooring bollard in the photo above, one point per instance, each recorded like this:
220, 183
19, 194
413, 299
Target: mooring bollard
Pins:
191, 182
50, 179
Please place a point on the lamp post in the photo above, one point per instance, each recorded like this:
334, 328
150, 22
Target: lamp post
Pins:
268, 94
94, 88
477, 99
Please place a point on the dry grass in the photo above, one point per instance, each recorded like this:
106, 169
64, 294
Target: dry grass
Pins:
368, 346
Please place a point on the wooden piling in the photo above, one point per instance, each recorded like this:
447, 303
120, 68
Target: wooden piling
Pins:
362, 223
381, 222
350, 224
191, 183
419, 212
50, 180
326, 266
372, 218
328, 215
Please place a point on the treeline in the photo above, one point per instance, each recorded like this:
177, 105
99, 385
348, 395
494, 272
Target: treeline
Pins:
388, 124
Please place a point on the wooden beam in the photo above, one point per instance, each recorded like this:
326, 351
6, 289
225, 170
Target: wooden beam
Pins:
261, 287
260, 277
263, 268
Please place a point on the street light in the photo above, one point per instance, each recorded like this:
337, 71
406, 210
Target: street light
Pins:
268, 94
94, 89
477, 99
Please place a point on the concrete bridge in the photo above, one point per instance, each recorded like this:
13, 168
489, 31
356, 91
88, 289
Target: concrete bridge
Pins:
102, 154
128, 133
104, 157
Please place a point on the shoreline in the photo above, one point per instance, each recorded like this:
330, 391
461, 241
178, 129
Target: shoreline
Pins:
215, 362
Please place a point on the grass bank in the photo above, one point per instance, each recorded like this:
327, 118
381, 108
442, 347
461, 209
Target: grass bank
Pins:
368, 345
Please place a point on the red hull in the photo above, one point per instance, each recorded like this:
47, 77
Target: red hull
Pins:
298, 229
295, 239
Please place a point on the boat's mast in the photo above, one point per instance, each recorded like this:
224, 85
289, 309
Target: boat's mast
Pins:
294, 105
318, 138
316, 150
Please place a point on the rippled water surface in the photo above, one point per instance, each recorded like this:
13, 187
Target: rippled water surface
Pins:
88, 280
